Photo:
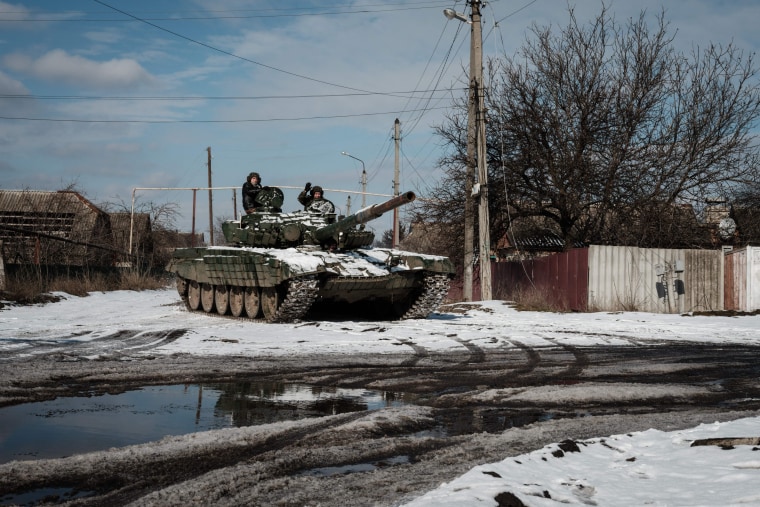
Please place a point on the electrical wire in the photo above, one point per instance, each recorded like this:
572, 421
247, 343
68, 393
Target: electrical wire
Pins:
510, 228
213, 48
399, 94
278, 13
249, 120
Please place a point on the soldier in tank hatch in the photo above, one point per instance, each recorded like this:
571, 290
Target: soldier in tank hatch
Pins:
251, 187
313, 199
309, 194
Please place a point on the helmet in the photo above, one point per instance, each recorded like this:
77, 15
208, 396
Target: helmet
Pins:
315, 190
256, 175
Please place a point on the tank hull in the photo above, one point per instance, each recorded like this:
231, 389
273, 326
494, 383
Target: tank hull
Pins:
288, 282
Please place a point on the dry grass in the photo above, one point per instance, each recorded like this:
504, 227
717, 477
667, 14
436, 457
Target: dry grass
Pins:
534, 299
30, 288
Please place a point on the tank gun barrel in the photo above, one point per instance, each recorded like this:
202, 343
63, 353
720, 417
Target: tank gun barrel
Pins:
363, 216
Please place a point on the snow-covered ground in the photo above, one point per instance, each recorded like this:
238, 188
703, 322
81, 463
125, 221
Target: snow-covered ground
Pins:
651, 467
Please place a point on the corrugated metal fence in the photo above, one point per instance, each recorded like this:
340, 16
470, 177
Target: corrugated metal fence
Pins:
612, 278
742, 279
560, 279
654, 279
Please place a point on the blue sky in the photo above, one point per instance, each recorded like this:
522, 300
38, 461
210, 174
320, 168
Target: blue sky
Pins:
114, 95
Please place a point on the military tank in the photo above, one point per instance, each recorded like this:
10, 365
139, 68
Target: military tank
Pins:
278, 266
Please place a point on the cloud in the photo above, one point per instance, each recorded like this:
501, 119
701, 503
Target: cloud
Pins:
104, 36
9, 86
59, 66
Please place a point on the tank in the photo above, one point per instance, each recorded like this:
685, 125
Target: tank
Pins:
279, 266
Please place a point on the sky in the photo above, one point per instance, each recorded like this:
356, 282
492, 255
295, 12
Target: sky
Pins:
652, 467
109, 96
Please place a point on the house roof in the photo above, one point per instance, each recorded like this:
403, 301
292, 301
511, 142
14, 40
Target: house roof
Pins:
65, 214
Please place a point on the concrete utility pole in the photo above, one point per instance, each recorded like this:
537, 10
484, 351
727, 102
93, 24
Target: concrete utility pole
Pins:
364, 186
210, 201
397, 139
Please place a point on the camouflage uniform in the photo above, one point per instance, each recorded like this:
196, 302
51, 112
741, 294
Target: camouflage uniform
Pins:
306, 197
249, 192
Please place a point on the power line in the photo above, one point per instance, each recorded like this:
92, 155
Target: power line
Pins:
250, 120
213, 48
399, 94
260, 13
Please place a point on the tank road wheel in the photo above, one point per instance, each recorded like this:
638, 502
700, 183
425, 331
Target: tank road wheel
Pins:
270, 302
207, 297
193, 295
182, 287
222, 299
252, 301
237, 305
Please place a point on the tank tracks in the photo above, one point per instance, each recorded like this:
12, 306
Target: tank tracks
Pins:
300, 296
302, 292
436, 287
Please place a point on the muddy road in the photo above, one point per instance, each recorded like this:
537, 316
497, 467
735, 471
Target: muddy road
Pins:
471, 407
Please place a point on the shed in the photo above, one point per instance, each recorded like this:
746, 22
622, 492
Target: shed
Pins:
53, 228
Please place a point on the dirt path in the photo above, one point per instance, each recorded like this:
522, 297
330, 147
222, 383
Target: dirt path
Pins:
474, 407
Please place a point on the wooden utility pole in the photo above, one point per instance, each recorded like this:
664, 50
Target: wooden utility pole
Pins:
476, 99
210, 201
397, 139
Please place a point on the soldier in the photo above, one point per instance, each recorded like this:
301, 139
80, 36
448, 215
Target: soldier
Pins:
251, 187
313, 199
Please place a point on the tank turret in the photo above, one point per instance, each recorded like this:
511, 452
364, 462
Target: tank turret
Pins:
340, 231
278, 265
273, 229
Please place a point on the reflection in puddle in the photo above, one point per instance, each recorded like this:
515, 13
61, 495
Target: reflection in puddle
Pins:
67, 426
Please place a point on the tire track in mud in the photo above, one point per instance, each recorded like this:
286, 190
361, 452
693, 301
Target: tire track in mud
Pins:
420, 353
575, 369
477, 354
122, 343
534, 358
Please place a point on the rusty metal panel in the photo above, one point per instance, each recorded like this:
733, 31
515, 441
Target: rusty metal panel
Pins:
561, 278
654, 279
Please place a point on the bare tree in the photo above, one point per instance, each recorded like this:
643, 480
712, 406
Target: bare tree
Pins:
153, 237
605, 133
386, 240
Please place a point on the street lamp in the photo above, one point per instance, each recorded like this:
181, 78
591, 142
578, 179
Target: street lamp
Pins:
364, 178
476, 158
452, 14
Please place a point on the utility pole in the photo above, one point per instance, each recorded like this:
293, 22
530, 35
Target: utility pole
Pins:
397, 139
476, 159
476, 94
348, 205
364, 187
210, 202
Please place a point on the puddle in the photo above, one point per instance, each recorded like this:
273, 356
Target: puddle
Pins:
51, 495
68, 426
